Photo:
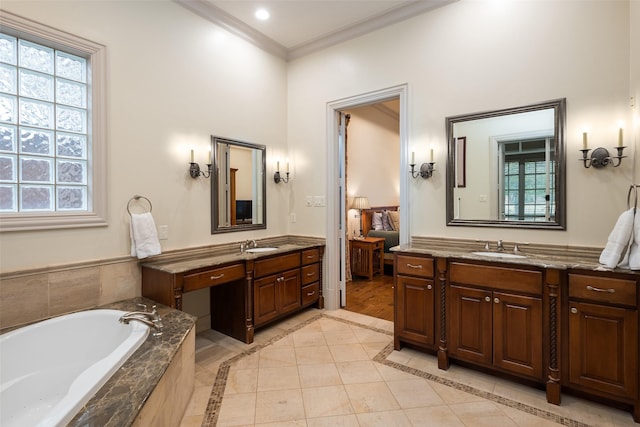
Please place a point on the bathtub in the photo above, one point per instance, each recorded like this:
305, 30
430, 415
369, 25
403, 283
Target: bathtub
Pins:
51, 369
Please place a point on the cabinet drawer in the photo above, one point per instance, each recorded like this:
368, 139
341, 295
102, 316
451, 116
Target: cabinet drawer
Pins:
310, 293
266, 266
310, 273
214, 277
602, 289
414, 266
310, 256
513, 279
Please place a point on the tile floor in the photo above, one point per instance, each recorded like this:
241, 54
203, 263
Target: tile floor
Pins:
338, 368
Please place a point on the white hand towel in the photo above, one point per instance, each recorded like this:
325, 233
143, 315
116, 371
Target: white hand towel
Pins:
618, 241
144, 237
634, 252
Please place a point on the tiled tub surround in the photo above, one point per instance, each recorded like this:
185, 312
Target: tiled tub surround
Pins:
160, 370
555, 317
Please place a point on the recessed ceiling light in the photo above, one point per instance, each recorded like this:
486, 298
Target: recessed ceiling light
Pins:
262, 14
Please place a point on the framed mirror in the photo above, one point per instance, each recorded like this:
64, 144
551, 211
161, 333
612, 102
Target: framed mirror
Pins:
506, 168
238, 187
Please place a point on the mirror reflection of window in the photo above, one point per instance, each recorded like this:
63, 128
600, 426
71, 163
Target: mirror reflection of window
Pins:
527, 183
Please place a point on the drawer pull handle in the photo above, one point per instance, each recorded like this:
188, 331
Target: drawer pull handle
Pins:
574, 310
310, 293
414, 266
309, 256
591, 288
311, 274
487, 299
429, 287
217, 277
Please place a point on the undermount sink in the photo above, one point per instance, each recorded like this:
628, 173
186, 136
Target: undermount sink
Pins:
498, 254
258, 250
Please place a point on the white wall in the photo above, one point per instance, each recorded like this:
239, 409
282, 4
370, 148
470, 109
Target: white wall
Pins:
174, 79
474, 56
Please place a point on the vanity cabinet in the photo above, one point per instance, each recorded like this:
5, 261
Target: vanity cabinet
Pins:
603, 335
414, 308
495, 317
246, 292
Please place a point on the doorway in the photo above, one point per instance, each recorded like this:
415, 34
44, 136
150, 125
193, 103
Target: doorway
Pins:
336, 245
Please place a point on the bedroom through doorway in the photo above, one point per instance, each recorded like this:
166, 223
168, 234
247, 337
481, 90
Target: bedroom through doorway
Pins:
372, 189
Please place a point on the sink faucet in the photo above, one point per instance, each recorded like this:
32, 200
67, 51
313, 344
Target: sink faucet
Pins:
500, 247
151, 319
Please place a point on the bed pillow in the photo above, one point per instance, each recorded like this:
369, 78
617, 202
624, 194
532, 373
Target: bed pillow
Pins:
376, 221
394, 220
386, 223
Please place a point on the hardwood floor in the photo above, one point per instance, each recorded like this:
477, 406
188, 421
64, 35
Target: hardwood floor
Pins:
371, 297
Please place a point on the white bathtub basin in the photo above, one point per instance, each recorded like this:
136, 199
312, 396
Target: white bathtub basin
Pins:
259, 250
51, 369
498, 254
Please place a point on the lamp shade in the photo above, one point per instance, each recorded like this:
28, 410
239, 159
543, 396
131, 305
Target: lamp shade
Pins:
360, 202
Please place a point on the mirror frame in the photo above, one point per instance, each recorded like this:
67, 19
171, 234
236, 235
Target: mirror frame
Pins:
215, 180
559, 107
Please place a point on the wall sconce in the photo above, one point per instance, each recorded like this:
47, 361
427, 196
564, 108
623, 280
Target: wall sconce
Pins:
276, 176
426, 169
194, 169
600, 156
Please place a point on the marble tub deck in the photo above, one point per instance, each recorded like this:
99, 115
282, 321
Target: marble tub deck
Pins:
328, 368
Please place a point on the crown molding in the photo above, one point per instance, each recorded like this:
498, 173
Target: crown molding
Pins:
248, 33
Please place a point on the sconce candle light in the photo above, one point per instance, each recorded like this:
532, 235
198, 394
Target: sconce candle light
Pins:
600, 157
426, 169
276, 176
194, 168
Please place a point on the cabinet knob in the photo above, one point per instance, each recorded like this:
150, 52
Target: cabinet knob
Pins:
487, 299
429, 287
496, 300
574, 310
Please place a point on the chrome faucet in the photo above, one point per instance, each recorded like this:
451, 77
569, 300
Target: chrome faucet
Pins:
151, 319
500, 247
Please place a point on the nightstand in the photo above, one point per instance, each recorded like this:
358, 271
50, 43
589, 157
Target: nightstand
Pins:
367, 256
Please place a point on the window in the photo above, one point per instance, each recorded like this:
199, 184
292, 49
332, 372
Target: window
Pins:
52, 139
528, 180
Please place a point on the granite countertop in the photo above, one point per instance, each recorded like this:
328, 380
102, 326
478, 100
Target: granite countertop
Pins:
119, 401
538, 255
226, 254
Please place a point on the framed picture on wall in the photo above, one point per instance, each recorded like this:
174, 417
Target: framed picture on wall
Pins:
461, 161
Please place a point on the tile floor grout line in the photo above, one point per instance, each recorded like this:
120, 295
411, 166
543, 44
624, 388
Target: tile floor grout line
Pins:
214, 403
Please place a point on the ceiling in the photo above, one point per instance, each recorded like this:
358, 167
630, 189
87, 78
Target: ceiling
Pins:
299, 27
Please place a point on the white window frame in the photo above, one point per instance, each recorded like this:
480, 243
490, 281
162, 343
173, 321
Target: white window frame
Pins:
96, 214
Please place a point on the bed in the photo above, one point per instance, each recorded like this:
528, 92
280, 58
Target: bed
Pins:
389, 231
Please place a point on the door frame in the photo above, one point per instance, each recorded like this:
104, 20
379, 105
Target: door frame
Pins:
335, 241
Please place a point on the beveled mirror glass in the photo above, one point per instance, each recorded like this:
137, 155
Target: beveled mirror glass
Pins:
238, 188
506, 168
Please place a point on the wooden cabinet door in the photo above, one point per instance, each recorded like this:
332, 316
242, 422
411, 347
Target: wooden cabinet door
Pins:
266, 299
414, 306
517, 334
603, 348
289, 291
470, 324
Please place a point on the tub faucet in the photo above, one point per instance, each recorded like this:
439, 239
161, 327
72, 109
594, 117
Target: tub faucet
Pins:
500, 247
151, 319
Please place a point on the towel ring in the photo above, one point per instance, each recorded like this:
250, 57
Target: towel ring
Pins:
137, 197
634, 188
